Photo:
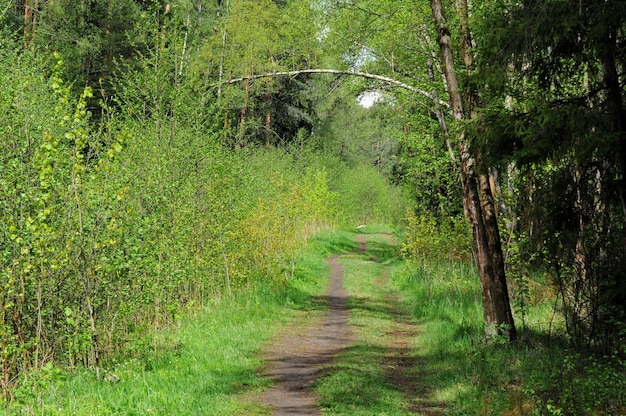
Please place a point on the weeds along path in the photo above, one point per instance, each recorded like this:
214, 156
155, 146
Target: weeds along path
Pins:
342, 368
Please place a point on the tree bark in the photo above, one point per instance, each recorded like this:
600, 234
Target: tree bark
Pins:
384, 79
477, 197
31, 9
243, 115
615, 105
268, 115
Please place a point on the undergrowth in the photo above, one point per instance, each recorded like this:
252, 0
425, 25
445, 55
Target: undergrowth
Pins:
538, 375
195, 368
200, 365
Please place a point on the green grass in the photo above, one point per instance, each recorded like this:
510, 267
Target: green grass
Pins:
198, 368
357, 385
459, 372
331, 242
209, 362
537, 375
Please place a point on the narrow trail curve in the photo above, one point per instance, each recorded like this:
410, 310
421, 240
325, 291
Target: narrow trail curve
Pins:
297, 360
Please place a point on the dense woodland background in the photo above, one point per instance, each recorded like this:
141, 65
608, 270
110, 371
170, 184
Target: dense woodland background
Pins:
138, 182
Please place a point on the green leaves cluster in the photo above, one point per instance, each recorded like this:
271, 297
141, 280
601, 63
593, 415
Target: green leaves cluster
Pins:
256, 37
56, 228
118, 224
429, 239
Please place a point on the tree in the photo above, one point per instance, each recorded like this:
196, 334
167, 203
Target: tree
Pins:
255, 37
112, 227
90, 35
478, 199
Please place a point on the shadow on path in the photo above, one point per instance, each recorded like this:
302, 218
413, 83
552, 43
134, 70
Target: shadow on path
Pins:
297, 360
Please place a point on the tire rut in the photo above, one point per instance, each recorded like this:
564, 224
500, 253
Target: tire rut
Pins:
298, 360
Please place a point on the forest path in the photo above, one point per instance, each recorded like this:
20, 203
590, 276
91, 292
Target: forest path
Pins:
297, 360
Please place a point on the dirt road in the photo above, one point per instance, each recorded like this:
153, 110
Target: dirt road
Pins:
297, 360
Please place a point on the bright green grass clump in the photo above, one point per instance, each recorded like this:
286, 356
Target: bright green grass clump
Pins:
357, 385
540, 374
197, 368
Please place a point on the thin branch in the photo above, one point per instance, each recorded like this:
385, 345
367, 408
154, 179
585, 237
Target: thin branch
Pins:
390, 81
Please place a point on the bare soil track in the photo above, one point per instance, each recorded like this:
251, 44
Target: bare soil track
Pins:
299, 358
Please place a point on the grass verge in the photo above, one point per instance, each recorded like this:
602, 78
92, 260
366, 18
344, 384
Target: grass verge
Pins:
197, 368
448, 368
420, 350
540, 374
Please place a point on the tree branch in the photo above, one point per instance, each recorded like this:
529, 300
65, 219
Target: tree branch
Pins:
390, 81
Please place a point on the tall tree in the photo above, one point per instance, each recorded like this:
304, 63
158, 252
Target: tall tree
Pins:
255, 37
369, 52
90, 36
478, 199
31, 12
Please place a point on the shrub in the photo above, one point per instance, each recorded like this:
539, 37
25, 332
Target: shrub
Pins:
427, 238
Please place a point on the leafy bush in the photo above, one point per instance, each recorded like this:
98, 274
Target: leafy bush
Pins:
428, 239
365, 197
115, 227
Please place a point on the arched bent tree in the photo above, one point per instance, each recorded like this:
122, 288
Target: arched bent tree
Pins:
477, 195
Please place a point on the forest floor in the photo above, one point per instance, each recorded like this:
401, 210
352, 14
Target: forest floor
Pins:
305, 354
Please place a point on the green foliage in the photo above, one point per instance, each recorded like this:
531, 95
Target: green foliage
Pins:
428, 239
365, 197
26, 198
124, 221
536, 375
204, 363
117, 227
425, 170
43, 180
357, 134
257, 37
378, 36
201, 365
554, 102
273, 233
90, 35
